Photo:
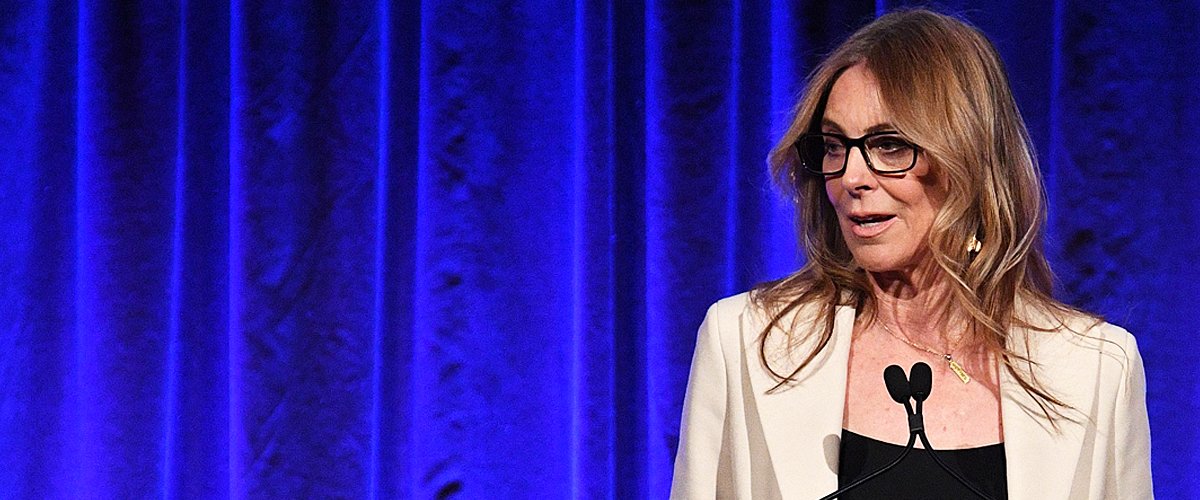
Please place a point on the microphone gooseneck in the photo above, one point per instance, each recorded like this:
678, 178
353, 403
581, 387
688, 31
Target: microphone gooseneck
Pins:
948, 469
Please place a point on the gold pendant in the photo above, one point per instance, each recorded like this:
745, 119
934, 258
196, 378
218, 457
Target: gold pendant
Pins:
958, 370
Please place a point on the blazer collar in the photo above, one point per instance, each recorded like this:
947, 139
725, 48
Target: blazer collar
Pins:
1033, 448
801, 422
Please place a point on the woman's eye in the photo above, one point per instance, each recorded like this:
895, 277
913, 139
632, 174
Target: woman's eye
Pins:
890, 145
833, 148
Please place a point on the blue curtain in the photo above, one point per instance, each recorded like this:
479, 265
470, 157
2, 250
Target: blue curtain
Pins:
460, 249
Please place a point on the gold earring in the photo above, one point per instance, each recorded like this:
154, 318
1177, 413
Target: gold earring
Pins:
974, 246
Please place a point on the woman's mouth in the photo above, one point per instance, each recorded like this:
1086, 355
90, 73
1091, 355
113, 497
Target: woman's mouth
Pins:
870, 225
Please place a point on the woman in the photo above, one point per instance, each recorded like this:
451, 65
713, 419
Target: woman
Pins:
921, 212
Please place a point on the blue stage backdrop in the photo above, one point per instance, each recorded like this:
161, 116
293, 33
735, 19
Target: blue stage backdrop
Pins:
460, 249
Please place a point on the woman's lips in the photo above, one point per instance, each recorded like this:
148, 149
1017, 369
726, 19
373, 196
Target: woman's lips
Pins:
871, 229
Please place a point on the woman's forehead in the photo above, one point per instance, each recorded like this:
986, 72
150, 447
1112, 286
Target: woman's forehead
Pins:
855, 105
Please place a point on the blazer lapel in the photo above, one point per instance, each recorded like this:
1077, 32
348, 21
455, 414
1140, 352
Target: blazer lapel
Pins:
1039, 458
801, 422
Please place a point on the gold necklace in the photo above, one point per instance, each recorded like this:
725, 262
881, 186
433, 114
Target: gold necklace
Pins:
954, 365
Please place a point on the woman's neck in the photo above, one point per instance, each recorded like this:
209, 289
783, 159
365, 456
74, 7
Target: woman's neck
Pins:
917, 303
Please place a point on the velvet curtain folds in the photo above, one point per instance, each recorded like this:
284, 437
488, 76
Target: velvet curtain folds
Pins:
460, 249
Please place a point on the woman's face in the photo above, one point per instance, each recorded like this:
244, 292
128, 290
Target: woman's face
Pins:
885, 218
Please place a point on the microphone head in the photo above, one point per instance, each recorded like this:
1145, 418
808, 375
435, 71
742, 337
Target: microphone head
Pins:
897, 384
921, 382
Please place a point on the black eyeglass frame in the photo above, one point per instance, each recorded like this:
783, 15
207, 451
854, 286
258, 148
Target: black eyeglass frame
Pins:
850, 143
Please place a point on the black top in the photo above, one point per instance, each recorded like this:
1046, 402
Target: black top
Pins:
918, 476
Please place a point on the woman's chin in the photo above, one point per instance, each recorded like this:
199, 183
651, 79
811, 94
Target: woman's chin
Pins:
881, 268
880, 260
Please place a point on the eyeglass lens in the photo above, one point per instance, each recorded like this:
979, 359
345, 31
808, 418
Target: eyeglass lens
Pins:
828, 154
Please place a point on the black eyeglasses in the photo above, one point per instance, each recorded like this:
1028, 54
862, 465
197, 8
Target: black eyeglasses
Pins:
827, 154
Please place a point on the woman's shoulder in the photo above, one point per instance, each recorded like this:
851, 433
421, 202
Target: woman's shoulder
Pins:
1062, 322
753, 310
733, 305
1066, 336
724, 318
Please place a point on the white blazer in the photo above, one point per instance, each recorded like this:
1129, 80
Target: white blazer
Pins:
739, 441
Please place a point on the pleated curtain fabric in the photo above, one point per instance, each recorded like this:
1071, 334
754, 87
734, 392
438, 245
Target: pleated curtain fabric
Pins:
449, 249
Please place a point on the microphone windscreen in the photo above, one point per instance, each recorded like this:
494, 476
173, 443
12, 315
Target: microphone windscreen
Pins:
897, 384
921, 381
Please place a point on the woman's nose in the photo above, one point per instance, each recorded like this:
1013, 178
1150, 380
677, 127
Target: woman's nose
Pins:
858, 176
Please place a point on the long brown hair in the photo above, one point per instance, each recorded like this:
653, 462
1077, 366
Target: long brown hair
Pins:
947, 91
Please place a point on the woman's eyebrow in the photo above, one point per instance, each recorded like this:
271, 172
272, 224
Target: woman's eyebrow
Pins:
881, 127
832, 126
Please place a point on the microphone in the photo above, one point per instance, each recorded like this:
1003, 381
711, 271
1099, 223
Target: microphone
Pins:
897, 384
921, 381
920, 384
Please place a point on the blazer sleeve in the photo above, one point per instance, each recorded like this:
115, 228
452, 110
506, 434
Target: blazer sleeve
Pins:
698, 464
1131, 464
